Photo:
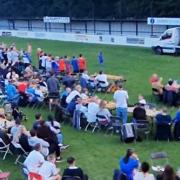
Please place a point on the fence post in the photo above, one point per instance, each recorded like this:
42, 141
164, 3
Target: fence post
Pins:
85, 24
109, 27
136, 28
121, 27
94, 23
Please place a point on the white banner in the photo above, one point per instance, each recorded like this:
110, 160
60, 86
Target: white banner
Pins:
48, 19
163, 21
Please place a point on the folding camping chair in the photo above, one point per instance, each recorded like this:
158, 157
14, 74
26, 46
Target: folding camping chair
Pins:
158, 161
21, 152
4, 148
34, 176
4, 175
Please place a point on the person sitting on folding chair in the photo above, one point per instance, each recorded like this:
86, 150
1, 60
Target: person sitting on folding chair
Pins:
48, 170
163, 125
103, 115
33, 140
140, 120
6, 139
12, 94
34, 160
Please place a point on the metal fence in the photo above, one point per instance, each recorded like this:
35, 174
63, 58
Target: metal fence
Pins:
88, 26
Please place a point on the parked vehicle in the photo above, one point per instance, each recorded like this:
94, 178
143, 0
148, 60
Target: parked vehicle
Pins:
169, 42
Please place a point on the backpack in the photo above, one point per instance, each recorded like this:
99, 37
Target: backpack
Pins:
128, 133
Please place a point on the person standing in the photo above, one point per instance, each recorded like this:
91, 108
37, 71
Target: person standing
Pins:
53, 85
100, 58
121, 99
81, 63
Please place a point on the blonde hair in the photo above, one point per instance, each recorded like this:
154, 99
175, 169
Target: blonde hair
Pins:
102, 104
51, 157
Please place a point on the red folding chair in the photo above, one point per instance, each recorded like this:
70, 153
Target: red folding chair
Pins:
34, 176
4, 175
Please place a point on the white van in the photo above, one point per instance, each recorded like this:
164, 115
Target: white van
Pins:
169, 42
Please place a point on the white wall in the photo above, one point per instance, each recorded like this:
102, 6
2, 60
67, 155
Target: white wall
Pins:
99, 39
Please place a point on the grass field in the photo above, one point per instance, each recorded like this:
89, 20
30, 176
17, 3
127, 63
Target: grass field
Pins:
98, 153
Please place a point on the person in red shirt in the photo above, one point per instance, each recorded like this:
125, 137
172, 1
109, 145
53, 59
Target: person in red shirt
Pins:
81, 63
21, 87
62, 65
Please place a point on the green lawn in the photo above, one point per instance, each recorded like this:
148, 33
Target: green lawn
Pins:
98, 153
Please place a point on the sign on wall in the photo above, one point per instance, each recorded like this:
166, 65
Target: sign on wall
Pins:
163, 21
48, 19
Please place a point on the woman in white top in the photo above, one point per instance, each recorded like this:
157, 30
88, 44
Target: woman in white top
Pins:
102, 79
73, 94
144, 173
104, 112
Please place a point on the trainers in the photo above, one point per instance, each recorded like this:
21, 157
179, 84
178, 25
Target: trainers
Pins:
59, 159
63, 147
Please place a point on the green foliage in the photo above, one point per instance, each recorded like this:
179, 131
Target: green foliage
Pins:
90, 8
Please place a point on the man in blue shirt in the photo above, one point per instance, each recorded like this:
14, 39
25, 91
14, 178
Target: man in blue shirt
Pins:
163, 117
74, 64
100, 58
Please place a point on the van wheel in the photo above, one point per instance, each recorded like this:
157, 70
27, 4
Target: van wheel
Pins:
158, 50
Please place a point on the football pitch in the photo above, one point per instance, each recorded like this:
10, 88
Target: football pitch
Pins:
98, 153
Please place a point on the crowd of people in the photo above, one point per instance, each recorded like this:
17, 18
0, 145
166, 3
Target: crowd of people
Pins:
130, 168
168, 93
65, 85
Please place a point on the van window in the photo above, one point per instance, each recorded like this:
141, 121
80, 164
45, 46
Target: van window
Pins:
166, 35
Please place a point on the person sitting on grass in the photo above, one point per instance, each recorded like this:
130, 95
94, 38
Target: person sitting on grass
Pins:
167, 174
129, 163
144, 174
73, 171
48, 170
170, 86
101, 78
156, 83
